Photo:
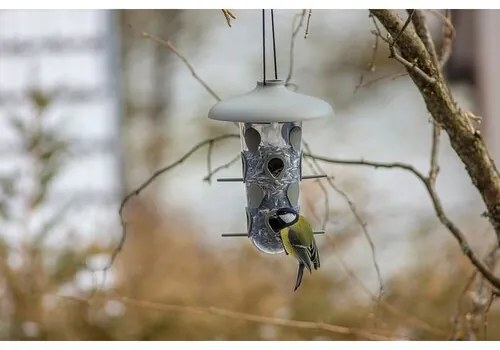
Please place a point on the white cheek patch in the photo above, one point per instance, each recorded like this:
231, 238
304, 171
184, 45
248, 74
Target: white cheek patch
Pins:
287, 218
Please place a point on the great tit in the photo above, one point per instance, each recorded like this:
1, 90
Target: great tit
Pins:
298, 239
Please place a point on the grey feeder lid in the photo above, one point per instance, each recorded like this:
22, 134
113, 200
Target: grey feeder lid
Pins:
268, 103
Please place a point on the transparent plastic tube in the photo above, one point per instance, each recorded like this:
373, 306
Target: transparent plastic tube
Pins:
271, 155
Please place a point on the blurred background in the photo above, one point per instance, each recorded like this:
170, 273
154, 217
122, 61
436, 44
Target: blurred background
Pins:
90, 108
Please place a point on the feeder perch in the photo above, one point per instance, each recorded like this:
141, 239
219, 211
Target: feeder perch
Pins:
270, 119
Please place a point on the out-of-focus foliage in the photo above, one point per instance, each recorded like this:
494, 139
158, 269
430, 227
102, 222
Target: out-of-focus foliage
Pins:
164, 262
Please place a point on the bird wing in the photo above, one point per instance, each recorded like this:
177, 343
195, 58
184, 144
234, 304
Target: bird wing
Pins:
313, 249
307, 250
301, 248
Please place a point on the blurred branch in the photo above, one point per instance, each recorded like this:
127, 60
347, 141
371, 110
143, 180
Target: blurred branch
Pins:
307, 25
171, 47
157, 173
226, 165
326, 216
371, 64
295, 30
318, 326
448, 35
394, 54
356, 215
209, 160
464, 138
408, 20
229, 15
362, 84
434, 166
438, 208
422, 30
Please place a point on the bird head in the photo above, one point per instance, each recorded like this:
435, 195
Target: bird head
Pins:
282, 218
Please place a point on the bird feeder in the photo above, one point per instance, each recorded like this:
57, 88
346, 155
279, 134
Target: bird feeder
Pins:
270, 119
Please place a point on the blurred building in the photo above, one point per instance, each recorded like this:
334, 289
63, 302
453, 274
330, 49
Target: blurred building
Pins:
72, 59
474, 61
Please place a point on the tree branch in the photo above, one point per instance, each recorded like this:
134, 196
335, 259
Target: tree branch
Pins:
436, 202
171, 47
200, 310
295, 30
145, 184
229, 15
357, 217
422, 30
467, 143
208, 177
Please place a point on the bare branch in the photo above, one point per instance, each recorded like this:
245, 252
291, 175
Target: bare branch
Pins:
209, 160
396, 55
448, 35
371, 64
171, 47
157, 173
326, 217
458, 313
226, 165
491, 299
307, 25
295, 30
434, 166
468, 144
423, 32
408, 20
318, 326
438, 208
376, 80
410, 66
229, 15
356, 215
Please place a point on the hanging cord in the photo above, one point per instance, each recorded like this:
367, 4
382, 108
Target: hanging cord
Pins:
274, 46
263, 47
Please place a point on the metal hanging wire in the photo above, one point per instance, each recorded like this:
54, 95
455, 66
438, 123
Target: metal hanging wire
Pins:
274, 46
264, 46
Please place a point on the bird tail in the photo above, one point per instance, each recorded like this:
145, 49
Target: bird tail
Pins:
300, 273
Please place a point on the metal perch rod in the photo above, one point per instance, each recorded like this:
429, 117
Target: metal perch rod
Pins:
246, 234
239, 179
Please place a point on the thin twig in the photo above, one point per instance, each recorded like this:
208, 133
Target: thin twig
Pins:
145, 184
390, 76
229, 15
393, 54
209, 160
358, 218
411, 66
458, 313
423, 32
408, 20
434, 166
295, 30
326, 216
438, 208
448, 36
371, 64
168, 44
226, 165
486, 313
321, 326
306, 34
